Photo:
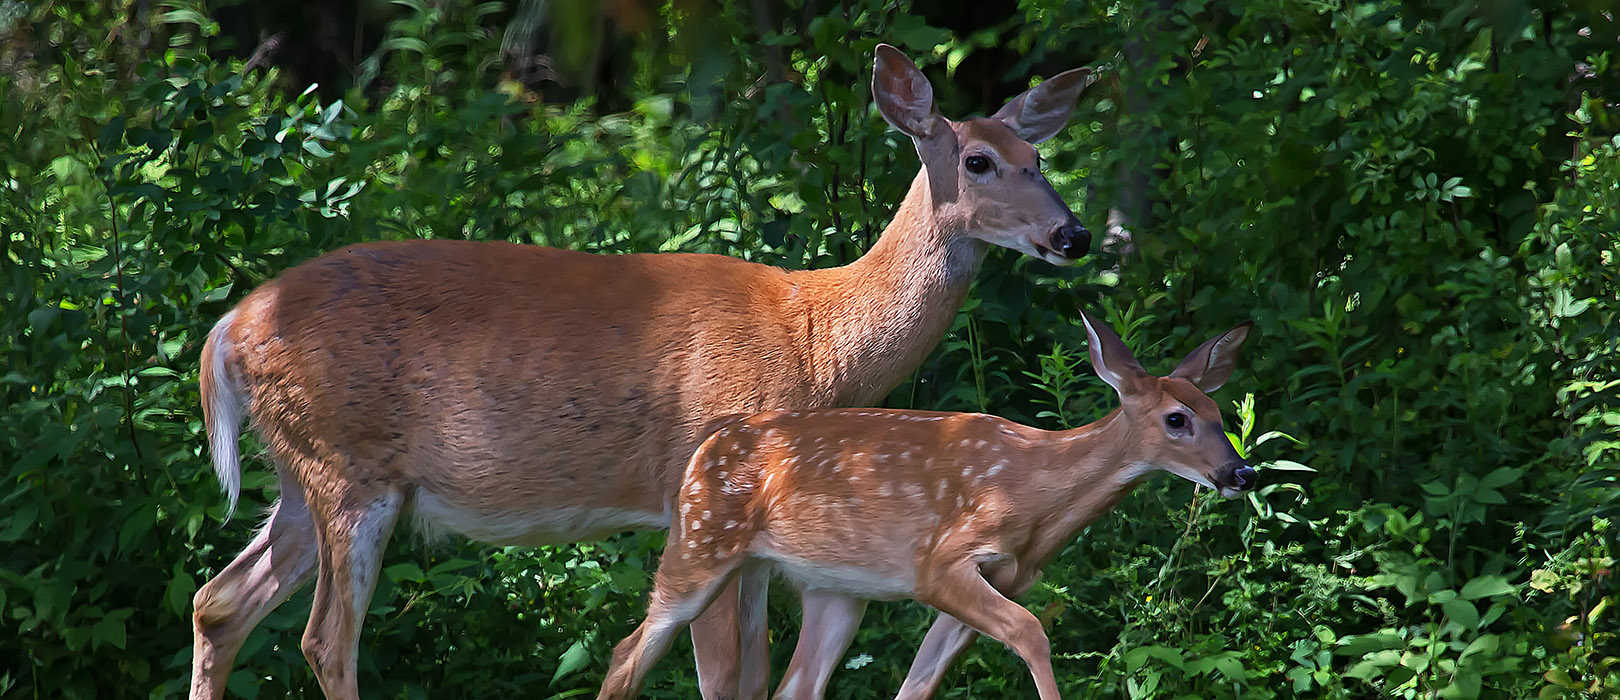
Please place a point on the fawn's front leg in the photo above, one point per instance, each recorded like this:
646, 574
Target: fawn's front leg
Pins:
829, 624
947, 638
959, 589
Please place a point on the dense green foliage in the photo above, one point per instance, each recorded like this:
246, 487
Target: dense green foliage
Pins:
1417, 202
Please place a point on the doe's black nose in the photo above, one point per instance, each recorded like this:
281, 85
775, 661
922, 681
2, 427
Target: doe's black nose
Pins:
1071, 240
1244, 477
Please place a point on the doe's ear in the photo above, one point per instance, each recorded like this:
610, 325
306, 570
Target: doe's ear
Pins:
1040, 112
1112, 361
903, 95
1209, 365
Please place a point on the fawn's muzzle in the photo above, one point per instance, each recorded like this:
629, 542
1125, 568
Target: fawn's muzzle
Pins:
1244, 477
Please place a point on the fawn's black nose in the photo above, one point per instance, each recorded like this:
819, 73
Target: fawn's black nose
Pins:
1071, 240
1244, 478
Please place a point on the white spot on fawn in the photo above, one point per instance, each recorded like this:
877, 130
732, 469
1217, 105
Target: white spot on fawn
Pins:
913, 491
731, 524
884, 491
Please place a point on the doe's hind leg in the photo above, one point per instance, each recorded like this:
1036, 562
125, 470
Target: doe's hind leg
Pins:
353, 532
279, 561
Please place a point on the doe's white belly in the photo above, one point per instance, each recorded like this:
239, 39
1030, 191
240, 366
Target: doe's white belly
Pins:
555, 525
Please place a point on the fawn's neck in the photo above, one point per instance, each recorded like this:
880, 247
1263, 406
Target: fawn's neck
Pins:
1086, 472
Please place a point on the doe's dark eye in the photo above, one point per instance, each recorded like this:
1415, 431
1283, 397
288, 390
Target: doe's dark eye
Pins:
1176, 421
977, 164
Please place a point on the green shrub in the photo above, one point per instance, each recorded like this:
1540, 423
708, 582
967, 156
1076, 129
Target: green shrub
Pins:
1416, 202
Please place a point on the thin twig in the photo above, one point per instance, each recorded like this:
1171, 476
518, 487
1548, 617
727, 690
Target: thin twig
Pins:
123, 327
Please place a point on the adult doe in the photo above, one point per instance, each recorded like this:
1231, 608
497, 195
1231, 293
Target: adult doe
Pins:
524, 395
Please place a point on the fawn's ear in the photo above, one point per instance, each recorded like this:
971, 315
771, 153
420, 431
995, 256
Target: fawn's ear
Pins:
1110, 358
1040, 112
1209, 365
903, 95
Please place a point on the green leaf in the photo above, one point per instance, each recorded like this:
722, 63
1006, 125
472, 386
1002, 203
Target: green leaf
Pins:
1270, 435
107, 631
405, 43
404, 572
179, 592
1484, 644
1465, 685
111, 133
1486, 586
1462, 612
1361, 644
316, 148
185, 16
571, 660
1135, 658
1500, 477
1374, 664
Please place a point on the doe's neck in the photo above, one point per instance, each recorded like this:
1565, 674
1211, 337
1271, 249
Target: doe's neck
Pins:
874, 320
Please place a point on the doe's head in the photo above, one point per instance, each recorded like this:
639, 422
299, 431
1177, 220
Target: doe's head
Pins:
1177, 427
984, 175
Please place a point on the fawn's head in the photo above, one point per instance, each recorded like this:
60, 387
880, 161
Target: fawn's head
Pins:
1175, 426
983, 173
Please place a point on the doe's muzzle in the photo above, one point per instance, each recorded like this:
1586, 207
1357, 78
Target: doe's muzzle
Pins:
1071, 240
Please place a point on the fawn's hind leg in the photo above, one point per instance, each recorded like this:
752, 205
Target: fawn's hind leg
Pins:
682, 590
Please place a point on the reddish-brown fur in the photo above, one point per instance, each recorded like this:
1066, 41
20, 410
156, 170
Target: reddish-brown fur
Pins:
954, 510
522, 395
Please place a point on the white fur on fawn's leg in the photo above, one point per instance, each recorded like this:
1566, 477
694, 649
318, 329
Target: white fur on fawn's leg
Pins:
830, 621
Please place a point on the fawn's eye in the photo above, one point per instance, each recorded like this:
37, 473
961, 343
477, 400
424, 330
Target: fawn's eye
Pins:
1175, 421
977, 164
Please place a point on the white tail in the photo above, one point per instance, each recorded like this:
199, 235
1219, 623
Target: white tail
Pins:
223, 410
522, 395
958, 511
